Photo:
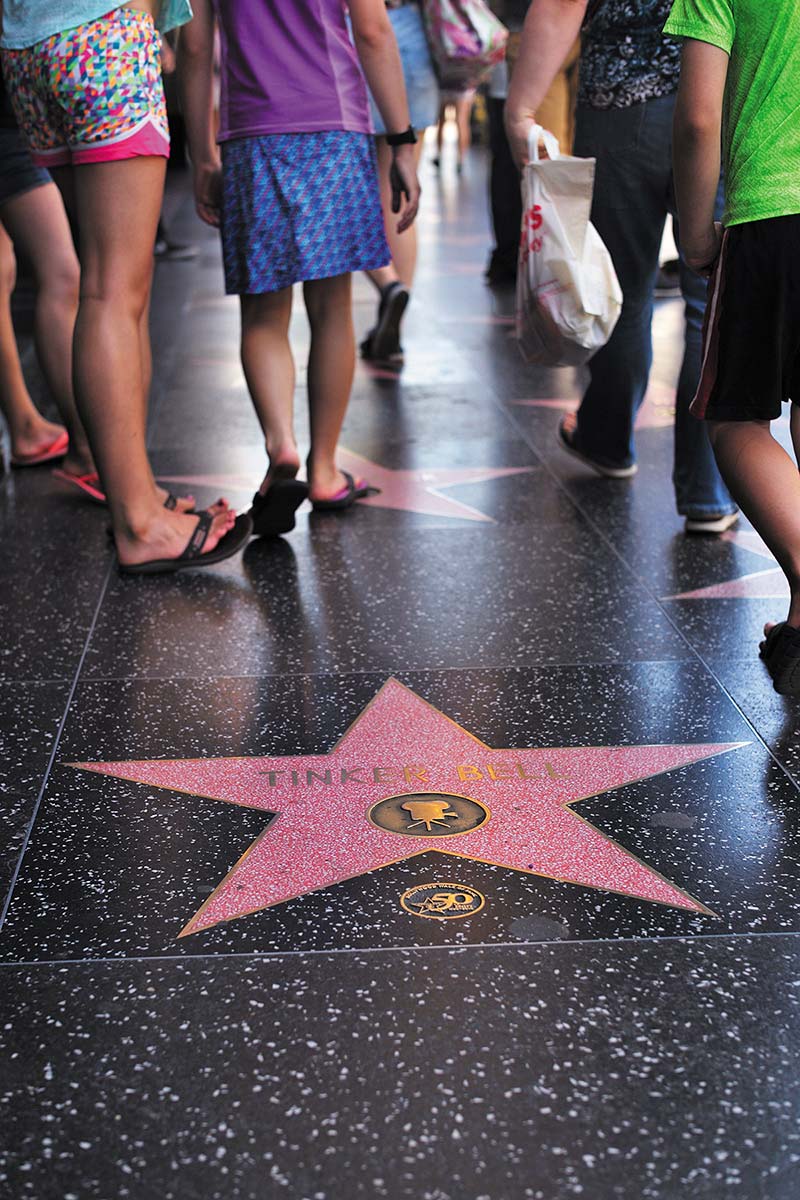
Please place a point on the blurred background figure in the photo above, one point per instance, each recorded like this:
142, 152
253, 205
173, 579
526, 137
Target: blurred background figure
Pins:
557, 113
167, 248
393, 282
461, 103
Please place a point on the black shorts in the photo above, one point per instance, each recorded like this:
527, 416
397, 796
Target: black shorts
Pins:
18, 172
751, 341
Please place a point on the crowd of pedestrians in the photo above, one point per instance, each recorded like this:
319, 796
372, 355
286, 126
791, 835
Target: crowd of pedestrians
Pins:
308, 164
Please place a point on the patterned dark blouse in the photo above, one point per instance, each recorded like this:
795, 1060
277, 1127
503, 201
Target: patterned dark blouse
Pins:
625, 58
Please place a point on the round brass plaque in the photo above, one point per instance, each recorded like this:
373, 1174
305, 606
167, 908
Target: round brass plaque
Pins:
428, 814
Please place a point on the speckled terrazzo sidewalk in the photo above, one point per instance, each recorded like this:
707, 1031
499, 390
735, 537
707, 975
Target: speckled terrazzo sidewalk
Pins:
226, 970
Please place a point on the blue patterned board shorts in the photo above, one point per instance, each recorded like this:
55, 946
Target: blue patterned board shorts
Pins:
299, 206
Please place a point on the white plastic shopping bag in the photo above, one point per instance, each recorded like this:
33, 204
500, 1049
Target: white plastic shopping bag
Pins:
568, 294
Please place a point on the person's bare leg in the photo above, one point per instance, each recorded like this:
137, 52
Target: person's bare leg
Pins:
146, 352
440, 124
30, 433
331, 365
184, 503
118, 205
269, 370
37, 223
765, 483
403, 246
794, 426
463, 114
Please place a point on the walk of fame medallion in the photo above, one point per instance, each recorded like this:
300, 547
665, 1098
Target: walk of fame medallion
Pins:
405, 780
442, 901
428, 814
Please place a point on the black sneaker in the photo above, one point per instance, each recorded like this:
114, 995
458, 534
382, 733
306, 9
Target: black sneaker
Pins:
382, 344
668, 280
500, 271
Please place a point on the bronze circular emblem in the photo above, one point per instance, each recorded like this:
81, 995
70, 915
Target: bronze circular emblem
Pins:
428, 814
442, 901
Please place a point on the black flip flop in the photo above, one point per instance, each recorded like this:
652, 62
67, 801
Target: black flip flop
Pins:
193, 555
780, 651
171, 503
383, 342
346, 498
273, 513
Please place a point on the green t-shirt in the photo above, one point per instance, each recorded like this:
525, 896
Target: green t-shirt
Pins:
761, 123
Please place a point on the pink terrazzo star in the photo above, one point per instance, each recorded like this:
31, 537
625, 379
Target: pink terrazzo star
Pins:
402, 746
657, 410
756, 585
418, 490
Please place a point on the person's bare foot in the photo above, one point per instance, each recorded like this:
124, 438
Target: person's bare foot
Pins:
79, 463
166, 535
770, 625
34, 437
326, 483
183, 504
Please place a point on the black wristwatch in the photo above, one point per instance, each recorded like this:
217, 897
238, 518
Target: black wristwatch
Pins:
407, 138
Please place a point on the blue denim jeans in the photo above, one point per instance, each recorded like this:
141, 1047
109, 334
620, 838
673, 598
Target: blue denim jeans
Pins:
632, 198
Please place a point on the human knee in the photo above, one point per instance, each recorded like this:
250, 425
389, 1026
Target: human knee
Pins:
266, 310
60, 283
328, 299
126, 296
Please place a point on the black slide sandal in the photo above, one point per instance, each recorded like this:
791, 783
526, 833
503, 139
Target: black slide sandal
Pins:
193, 555
274, 513
780, 651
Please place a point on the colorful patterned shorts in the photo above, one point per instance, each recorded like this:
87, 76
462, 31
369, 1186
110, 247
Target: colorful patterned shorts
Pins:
91, 94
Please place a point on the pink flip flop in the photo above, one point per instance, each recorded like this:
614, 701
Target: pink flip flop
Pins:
56, 449
355, 489
88, 484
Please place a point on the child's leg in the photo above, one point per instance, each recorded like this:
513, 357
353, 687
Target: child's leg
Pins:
331, 365
38, 224
765, 483
269, 370
463, 115
28, 429
402, 245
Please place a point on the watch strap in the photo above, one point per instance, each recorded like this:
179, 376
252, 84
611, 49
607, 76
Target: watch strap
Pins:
407, 138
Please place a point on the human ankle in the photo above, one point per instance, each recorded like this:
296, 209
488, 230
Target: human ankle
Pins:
322, 476
793, 618
25, 423
282, 451
140, 523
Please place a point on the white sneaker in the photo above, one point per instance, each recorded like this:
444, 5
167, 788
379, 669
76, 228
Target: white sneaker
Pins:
711, 524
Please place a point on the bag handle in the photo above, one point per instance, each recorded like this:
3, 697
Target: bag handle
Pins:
539, 133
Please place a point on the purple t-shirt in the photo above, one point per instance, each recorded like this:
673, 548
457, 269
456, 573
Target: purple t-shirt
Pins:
288, 66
